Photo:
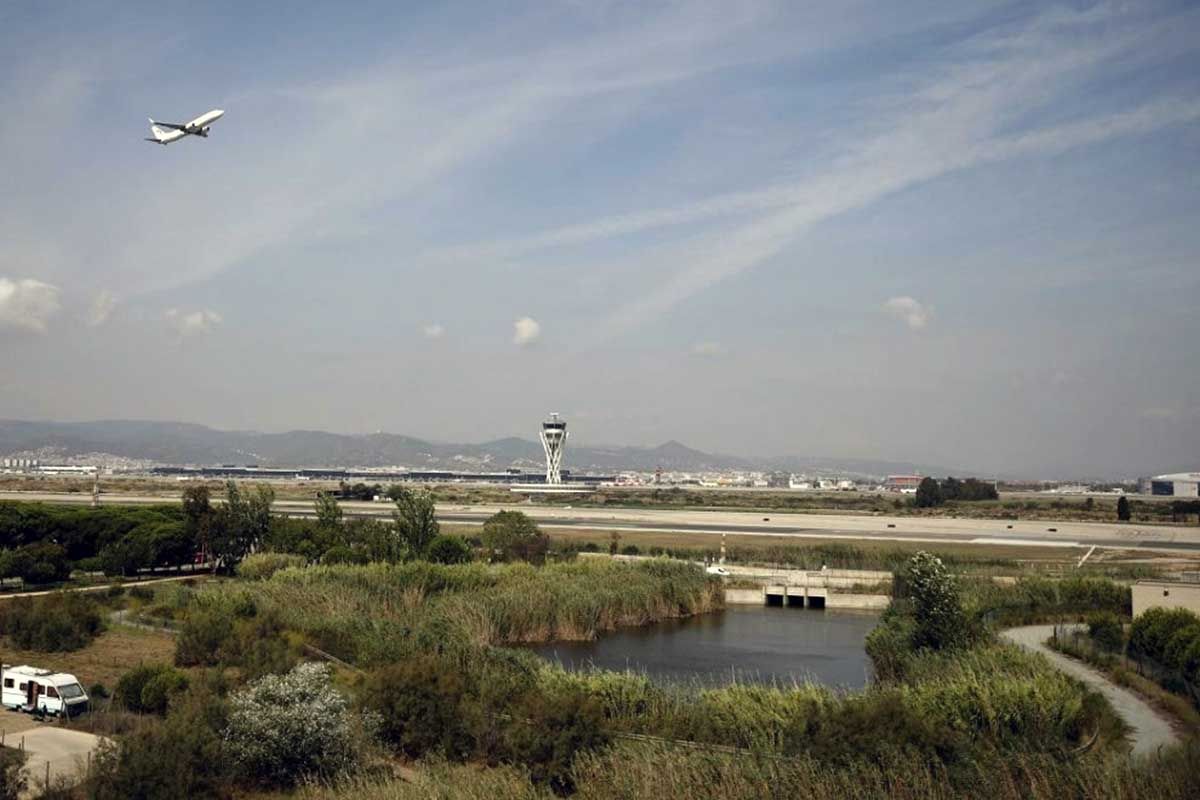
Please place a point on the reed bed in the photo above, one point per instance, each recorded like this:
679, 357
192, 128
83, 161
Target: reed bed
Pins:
631, 771
377, 613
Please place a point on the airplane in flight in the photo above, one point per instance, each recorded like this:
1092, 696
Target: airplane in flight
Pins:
167, 132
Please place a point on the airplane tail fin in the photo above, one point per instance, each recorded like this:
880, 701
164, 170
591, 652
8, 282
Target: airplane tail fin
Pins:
158, 133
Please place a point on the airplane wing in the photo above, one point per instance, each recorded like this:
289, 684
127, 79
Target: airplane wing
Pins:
172, 125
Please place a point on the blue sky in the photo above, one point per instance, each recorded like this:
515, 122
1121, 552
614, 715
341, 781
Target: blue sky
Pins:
959, 233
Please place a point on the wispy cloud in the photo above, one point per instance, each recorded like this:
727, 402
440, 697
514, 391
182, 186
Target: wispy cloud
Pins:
27, 304
974, 109
433, 331
190, 323
913, 313
526, 331
101, 308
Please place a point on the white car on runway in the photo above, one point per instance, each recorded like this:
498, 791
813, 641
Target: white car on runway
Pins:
716, 569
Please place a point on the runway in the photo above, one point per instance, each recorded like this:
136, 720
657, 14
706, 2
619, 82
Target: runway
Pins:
1022, 533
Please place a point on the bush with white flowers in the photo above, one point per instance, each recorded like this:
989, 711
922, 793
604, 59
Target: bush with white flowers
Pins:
283, 728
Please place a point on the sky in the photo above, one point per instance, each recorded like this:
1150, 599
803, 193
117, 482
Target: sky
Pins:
951, 233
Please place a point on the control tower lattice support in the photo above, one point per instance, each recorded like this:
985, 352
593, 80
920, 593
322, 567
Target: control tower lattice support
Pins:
554, 440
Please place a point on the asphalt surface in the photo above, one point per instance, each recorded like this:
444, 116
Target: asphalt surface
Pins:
1024, 533
1150, 730
67, 752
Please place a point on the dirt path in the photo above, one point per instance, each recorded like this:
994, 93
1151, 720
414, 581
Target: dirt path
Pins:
1151, 730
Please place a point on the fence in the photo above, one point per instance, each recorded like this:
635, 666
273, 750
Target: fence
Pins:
1077, 642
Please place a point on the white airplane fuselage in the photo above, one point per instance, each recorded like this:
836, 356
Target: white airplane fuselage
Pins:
167, 132
200, 123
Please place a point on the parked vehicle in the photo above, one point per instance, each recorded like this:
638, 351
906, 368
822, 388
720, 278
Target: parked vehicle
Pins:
41, 691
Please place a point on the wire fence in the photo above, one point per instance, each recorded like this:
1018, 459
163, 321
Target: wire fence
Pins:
1078, 642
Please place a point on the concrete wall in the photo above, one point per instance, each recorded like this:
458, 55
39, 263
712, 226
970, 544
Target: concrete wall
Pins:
744, 597
1166, 594
865, 602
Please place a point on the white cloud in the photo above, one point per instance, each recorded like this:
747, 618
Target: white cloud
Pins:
187, 323
433, 331
27, 304
708, 349
102, 307
526, 331
914, 314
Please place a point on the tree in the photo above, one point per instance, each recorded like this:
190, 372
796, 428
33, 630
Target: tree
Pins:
1123, 512
952, 489
929, 494
43, 562
241, 524
197, 515
329, 513
378, 540
416, 522
512, 535
941, 620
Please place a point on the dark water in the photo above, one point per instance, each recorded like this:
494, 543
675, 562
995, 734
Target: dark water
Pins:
752, 643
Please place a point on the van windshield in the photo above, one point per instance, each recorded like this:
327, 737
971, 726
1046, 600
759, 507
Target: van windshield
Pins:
70, 691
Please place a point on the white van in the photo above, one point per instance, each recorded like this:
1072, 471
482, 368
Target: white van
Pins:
32, 690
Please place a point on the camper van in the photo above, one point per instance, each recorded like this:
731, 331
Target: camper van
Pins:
41, 691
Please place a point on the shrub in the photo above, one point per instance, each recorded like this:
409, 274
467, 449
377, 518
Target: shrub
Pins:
260, 566
341, 554
98, 691
57, 622
448, 550
1123, 512
148, 688
13, 781
511, 535
284, 728
548, 730
1105, 629
1153, 631
418, 702
182, 756
203, 633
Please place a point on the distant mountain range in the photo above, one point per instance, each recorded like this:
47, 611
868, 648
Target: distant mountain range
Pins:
185, 443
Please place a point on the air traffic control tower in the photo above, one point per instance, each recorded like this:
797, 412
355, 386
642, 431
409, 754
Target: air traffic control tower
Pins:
554, 441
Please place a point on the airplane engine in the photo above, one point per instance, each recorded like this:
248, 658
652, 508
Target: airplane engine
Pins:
204, 131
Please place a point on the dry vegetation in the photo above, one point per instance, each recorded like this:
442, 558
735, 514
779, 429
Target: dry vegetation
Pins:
110, 655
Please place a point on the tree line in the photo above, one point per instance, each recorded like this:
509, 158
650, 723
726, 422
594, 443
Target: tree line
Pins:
43, 543
932, 492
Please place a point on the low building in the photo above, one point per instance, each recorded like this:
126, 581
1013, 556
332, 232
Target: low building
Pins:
1179, 484
1149, 594
902, 483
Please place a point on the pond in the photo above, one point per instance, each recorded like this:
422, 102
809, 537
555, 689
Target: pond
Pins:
752, 644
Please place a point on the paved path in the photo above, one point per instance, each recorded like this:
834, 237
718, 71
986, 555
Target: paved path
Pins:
103, 586
1151, 730
67, 752
62, 754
